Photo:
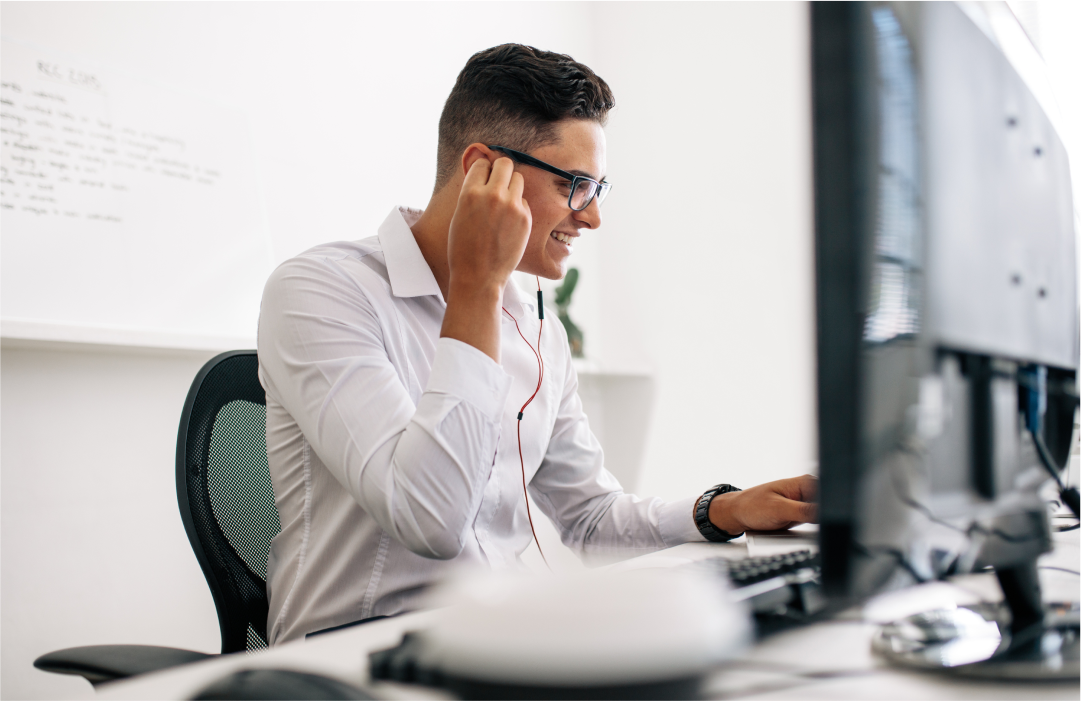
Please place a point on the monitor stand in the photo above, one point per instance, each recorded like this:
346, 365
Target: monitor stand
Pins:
1019, 638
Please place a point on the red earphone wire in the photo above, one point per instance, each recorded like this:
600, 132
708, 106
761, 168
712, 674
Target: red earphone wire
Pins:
521, 412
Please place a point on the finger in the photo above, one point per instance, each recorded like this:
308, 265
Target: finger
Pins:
478, 173
502, 170
798, 488
517, 186
789, 488
528, 218
800, 511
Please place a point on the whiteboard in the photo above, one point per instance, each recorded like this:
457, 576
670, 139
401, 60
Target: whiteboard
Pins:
127, 211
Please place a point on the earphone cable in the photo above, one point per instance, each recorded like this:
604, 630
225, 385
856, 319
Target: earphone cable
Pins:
521, 414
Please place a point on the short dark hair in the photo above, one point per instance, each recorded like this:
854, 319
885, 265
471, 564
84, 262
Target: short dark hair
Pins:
512, 95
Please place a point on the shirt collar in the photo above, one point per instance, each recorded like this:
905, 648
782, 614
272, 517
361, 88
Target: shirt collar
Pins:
409, 273
514, 294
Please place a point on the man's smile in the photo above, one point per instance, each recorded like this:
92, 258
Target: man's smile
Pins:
564, 238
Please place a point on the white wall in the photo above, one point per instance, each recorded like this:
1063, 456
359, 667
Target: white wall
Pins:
94, 551
343, 98
707, 239
701, 271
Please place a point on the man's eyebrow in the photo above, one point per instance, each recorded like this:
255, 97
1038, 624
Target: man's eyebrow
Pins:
586, 174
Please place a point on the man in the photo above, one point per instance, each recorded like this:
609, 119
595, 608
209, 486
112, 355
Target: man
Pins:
397, 367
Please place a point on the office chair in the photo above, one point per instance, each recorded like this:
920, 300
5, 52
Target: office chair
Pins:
227, 506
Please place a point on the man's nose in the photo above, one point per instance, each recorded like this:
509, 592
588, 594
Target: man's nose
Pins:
590, 217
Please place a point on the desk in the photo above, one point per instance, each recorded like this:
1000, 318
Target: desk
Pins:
828, 660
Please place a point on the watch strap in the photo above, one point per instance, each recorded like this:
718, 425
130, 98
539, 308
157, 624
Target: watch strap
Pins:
701, 514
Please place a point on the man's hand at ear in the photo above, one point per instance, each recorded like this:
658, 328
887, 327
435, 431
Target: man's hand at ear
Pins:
487, 238
767, 507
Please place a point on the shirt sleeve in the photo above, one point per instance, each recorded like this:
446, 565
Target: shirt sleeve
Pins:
586, 502
418, 468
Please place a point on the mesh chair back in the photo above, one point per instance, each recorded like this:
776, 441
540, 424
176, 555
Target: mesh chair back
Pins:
225, 496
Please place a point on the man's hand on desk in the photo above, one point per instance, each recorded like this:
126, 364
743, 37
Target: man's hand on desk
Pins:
768, 507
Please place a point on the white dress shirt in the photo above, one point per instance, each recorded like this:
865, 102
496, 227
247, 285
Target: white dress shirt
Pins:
394, 452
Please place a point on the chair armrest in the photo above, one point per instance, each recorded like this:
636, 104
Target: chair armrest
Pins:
105, 663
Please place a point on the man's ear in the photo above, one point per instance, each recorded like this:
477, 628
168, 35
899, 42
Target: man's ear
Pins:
475, 152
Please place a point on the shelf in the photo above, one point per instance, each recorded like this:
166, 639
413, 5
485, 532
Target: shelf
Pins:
22, 333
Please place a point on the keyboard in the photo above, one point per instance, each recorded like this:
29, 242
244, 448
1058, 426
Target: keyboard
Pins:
781, 590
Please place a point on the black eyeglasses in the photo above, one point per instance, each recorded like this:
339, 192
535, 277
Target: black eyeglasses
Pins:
583, 189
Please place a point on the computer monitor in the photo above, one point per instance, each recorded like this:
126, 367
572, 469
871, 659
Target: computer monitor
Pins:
947, 319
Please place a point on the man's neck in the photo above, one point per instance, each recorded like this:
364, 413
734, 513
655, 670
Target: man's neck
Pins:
432, 230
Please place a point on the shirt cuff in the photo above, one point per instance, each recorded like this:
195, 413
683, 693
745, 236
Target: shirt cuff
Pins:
462, 371
676, 523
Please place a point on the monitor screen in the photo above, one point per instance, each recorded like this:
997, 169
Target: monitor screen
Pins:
947, 305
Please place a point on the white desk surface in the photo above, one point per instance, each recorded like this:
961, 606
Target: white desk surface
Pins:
828, 660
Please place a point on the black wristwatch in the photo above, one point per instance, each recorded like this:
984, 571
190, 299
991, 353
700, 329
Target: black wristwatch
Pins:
701, 514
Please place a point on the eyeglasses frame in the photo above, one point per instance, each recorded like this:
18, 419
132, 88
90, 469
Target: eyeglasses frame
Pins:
526, 159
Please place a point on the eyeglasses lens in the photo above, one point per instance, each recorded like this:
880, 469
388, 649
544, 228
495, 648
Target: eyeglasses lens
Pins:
584, 191
603, 193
